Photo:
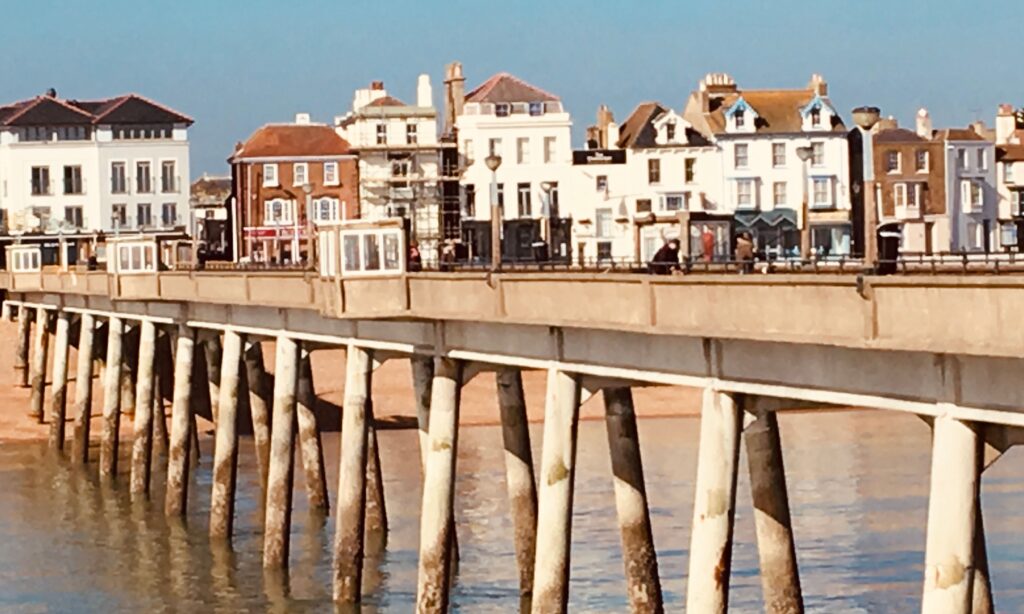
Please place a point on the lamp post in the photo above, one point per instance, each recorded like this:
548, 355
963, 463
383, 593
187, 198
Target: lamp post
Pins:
546, 212
493, 162
308, 189
866, 118
804, 153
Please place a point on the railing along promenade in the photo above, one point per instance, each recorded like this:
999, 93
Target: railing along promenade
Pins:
940, 345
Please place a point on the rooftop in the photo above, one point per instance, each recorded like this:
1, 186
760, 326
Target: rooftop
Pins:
292, 141
49, 109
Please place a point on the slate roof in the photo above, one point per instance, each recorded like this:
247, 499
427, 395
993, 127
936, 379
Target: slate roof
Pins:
1010, 153
638, 129
386, 101
292, 141
124, 109
778, 110
504, 87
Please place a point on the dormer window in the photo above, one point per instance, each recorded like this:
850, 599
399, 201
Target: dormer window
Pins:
740, 120
816, 117
670, 132
536, 109
502, 109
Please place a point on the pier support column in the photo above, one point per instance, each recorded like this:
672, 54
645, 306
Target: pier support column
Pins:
554, 504
83, 388
376, 524
111, 399
259, 406
58, 402
21, 351
522, 489
277, 526
129, 368
982, 602
638, 553
437, 519
182, 423
422, 380
952, 514
225, 453
350, 519
142, 445
213, 352
714, 504
40, 349
310, 447
780, 577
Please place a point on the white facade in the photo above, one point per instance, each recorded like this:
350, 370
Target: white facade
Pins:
1009, 170
60, 178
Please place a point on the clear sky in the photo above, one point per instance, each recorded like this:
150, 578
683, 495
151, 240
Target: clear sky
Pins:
234, 65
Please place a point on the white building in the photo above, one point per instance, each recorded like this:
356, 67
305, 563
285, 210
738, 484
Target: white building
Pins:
764, 137
399, 160
113, 164
1009, 152
531, 132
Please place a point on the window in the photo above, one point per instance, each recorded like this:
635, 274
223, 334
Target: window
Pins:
1008, 235
892, 161
73, 216
270, 175
536, 109
523, 150
470, 209
119, 215
553, 200
411, 138
169, 214
72, 179
549, 149
603, 222
140, 132
817, 154
739, 120
673, 202
899, 195
331, 173
913, 195
654, 170
921, 161
168, 177
1008, 172
399, 170
143, 215
499, 195
779, 193
982, 162
962, 161
822, 192
602, 183
977, 195
494, 147
604, 250
143, 178
382, 133
300, 173
40, 180
670, 131
523, 198
502, 109
325, 210
690, 170
1017, 203
745, 193
118, 180
778, 154
278, 212
643, 205
74, 133
740, 159
467, 149
816, 117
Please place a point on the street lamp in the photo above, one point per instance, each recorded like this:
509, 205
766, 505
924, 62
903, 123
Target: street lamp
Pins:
308, 189
546, 211
866, 118
493, 161
804, 153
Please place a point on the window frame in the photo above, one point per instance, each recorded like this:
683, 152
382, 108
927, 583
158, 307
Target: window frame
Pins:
779, 155
890, 156
287, 212
328, 180
745, 156
271, 176
295, 173
653, 171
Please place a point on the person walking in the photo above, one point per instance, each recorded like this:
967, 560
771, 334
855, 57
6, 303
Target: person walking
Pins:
707, 242
666, 259
745, 253
415, 258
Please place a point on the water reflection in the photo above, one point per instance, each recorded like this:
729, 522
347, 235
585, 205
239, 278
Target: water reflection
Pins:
858, 485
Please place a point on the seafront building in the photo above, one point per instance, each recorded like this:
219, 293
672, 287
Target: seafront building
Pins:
112, 164
211, 201
1009, 151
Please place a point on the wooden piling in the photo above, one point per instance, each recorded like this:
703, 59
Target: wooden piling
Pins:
519, 479
40, 349
21, 350
142, 444
949, 551
259, 406
422, 380
437, 519
213, 352
182, 424
638, 555
554, 501
83, 388
376, 523
58, 400
129, 368
310, 447
780, 577
714, 504
350, 515
111, 399
277, 526
982, 601
225, 460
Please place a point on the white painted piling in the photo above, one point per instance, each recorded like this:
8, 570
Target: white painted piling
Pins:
21, 357
277, 524
40, 349
225, 453
58, 398
83, 388
182, 424
111, 399
142, 444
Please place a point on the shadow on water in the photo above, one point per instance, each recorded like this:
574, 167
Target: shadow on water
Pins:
858, 488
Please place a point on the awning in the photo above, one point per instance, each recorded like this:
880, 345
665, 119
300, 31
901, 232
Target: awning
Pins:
771, 219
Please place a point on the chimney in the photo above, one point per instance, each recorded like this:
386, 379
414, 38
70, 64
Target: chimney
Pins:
302, 119
454, 95
377, 85
424, 93
714, 85
612, 136
1006, 125
376, 91
604, 119
818, 85
886, 123
924, 124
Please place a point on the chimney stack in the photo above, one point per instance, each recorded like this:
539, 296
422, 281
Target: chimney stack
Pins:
424, 92
302, 119
818, 85
454, 95
1006, 125
924, 124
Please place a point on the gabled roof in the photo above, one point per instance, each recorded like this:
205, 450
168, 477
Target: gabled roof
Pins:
957, 134
638, 130
386, 101
1011, 152
292, 141
778, 111
125, 109
504, 87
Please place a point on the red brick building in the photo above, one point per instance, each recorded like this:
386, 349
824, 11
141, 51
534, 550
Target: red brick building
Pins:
287, 179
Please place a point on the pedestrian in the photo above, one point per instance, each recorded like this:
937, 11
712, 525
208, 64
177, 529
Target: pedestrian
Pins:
707, 242
448, 256
415, 258
745, 252
666, 259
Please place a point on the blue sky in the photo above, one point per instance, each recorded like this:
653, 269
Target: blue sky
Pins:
236, 65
